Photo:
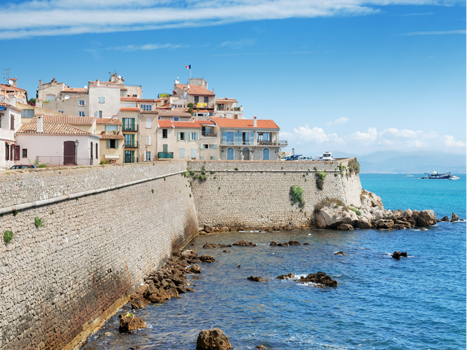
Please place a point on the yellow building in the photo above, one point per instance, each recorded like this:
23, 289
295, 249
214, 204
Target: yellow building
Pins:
112, 140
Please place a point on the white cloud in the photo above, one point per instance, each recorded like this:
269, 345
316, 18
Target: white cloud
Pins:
365, 137
238, 44
68, 17
147, 47
450, 142
315, 135
339, 121
446, 32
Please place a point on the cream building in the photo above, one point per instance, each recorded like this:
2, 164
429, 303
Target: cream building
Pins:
10, 122
112, 140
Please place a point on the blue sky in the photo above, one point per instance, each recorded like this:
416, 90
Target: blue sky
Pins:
349, 75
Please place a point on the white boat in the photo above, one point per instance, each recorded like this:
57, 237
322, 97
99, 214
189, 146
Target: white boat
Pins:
454, 177
408, 175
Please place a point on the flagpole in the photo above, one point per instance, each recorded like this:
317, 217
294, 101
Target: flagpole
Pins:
190, 71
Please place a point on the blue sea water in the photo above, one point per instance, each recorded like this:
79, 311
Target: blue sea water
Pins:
417, 302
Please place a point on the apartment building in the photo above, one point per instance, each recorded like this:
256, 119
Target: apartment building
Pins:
112, 140
10, 122
228, 108
196, 92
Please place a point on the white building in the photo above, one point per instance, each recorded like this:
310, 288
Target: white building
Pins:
10, 122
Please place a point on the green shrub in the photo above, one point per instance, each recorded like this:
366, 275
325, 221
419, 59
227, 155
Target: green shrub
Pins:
341, 169
211, 172
320, 177
152, 190
355, 210
15, 213
38, 222
203, 170
296, 196
7, 236
236, 169
354, 166
195, 176
202, 177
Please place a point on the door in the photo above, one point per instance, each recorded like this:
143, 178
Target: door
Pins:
246, 154
193, 153
230, 153
69, 153
266, 154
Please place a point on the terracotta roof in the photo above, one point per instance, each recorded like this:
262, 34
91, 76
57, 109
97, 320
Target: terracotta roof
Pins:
203, 111
108, 121
186, 125
75, 90
165, 123
128, 99
62, 119
3, 104
146, 100
205, 122
174, 113
113, 137
10, 88
196, 90
245, 123
226, 100
129, 109
51, 129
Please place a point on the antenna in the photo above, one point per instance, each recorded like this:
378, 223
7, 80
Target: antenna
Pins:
7, 74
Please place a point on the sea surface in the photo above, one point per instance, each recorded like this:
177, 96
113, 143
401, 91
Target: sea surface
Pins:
417, 302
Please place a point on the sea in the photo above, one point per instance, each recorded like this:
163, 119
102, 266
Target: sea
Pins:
418, 302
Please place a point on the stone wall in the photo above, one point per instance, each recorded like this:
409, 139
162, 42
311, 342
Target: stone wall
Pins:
61, 280
256, 194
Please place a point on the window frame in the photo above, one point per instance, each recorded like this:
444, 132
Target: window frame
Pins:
165, 133
101, 99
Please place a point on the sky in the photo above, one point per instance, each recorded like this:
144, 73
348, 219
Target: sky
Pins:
348, 76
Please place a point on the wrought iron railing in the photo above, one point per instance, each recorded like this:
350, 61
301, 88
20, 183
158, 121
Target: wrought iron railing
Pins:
165, 155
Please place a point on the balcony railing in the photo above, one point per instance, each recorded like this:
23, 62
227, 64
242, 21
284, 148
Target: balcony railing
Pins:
272, 143
283, 143
133, 144
130, 127
251, 143
208, 134
165, 155
237, 143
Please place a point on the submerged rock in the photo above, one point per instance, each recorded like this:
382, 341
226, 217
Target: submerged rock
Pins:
340, 253
445, 218
273, 244
345, 227
454, 217
207, 259
209, 246
213, 339
319, 278
285, 277
397, 255
256, 279
244, 243
194, 269
294, 243
130, 323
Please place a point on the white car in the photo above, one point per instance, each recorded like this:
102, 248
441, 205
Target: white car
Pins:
327, 156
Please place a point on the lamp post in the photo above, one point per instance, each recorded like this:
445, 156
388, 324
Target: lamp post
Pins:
76, 152
293, 151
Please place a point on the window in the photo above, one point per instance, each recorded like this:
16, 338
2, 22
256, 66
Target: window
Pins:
164, 133
67, 97
165, 148
176, 119
50, 97
193, 153
98, 114
81, 114
25, 152
111, 128
147, 156
148, 123
193, 136
17, 152
148, 140
206, 146
101, 99
182, 153
266, 154
27, 113
12, 124
60, 111
134, 95
206, 99
112, 143
7, 151
181, 136
1, 115
97, 150
81, 102
92, 149
230, 154
196, 99
146, 107
228, 137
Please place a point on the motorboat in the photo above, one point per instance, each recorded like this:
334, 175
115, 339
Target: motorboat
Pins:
436, 176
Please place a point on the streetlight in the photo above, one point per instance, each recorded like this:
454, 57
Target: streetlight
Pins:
76, 152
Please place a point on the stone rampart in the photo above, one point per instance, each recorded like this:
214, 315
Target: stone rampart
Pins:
256, 194
60, 280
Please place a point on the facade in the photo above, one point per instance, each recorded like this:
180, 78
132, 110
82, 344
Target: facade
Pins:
228, 108
28, 112
249, 139
196, 92
10, 122
112, 141
176, 115
56, 144
148, 130
130, 128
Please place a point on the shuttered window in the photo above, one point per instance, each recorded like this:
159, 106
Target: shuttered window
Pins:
148, 140
12, 124
17, 152
148, 123
182, 153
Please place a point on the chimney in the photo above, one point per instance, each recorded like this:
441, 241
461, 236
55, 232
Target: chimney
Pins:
40, 83
212, 90
254, 122
40, 123
98, 82
14, 82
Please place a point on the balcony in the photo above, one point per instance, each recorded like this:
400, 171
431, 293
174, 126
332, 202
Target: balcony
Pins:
165, 155
133, 144
237, 143
208, 134
130, 127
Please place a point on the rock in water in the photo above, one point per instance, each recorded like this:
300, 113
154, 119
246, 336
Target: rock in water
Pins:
244, 244
212, 339
273, 244
454, 217
340, 253
296, 242
345, 227
130, 323
207, 258
319, 278
426, 218
445, 218
256, 278
285, 277
194, 269
210, 246
396, 255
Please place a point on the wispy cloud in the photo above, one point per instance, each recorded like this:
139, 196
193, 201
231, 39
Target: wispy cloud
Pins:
238, 44
339, 121
70, 17
446, 32
417, 14
147, 47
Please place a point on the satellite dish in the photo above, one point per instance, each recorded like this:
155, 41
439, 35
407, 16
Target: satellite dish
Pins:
10, 82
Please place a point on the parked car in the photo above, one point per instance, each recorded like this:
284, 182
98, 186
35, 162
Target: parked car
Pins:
26, 166
327, 156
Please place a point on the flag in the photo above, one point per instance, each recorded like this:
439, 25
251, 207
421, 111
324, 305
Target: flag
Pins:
188, 67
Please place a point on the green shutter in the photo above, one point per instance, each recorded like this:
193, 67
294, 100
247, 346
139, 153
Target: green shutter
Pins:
107, 142
116, 144
133, 123
196, 136
178, 136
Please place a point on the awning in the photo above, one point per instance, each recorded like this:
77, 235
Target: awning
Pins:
111, 156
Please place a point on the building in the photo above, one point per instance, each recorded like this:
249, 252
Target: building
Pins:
176, 115
196, 139
10, 122
249, 139
228, 108
112, 140
195, 92
56, 144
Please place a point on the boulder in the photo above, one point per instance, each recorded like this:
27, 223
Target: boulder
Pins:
362, 222
244, 244
397, 255
285, 244
273, 244
194, 269
345, 227
209, 246
212, 339
221, 245
255, 278
407, 214
306, 243
445, 218
426, 218
226, 251
340, 253
130, 323
207, 259
294, 243
208, 229
332, 217
189, 254
319, 278
285, 277
454, 217
188, 289
384, 224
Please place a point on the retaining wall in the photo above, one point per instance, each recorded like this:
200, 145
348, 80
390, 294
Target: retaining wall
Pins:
256, 194
62, 280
